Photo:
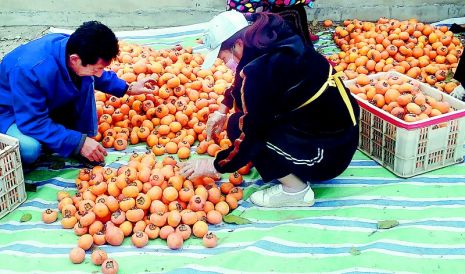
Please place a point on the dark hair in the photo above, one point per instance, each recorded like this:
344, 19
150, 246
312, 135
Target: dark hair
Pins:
266, 28
93, 41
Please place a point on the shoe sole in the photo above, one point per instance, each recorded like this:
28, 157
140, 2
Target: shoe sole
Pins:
279, 206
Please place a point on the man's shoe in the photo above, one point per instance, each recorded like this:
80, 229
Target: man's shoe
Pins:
275, 196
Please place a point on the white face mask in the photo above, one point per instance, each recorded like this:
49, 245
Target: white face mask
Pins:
232, 64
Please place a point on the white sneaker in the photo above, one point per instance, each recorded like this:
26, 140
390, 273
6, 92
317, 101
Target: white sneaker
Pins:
275, 196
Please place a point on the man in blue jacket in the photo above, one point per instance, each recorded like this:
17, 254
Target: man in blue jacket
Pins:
47, 92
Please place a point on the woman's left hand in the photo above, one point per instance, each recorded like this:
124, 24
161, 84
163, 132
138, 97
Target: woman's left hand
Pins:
198, 167
141, 86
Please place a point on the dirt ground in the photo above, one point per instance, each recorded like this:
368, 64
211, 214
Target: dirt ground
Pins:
11, 37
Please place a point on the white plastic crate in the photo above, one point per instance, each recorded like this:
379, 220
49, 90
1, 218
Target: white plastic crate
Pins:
12, 188
408, 149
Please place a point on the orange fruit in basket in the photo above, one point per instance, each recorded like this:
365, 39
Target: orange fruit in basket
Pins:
410, 117
420, 99
442, 106
413, 108
398, 112
404, 99
378, 100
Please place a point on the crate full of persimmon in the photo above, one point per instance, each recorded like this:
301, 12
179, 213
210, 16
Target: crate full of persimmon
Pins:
408, 126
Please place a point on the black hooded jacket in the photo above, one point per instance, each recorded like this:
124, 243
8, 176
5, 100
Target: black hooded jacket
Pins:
269, 85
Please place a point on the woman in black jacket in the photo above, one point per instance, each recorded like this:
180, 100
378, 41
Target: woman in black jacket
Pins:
293, 118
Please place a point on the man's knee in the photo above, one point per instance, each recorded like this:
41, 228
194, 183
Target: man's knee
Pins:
30, 150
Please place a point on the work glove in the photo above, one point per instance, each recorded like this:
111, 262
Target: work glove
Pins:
215, 124
198, 167
459, 93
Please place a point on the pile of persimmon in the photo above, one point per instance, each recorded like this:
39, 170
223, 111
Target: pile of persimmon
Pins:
174, 115
145, 200
399, 96
419, 50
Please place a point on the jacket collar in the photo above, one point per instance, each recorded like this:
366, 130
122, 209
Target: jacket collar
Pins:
62, 60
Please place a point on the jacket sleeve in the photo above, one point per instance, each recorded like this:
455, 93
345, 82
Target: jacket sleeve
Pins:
110, 83
228, 99
32, 114
257, 94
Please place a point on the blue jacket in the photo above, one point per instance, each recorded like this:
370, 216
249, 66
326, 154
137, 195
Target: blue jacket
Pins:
35, 86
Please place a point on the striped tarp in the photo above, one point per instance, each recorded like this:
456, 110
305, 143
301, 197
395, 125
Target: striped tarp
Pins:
338, 234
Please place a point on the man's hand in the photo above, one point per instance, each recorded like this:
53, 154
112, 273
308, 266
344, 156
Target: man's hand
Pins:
93, 151
197, 168
215, 124
142, 86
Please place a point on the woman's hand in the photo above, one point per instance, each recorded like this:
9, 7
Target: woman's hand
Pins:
197, 168
215, 124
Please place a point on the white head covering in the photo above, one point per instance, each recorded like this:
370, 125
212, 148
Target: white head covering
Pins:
220, 29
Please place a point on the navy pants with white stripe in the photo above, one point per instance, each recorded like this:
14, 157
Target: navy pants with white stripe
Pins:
310, 158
